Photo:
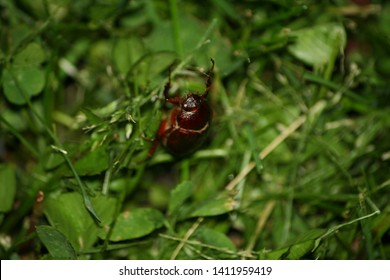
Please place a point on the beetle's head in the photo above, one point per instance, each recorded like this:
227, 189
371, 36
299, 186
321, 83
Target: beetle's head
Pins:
192, 102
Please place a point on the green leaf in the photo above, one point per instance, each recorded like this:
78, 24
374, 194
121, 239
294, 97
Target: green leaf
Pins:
56, 243
32, 55
22, 83
126, 52
149, 67
91, 116
19, 34
7, 187
221, 204
25, 78
304, 245
218, 240
179, 195
136, 223
316, 45
54, 160
93, 163
68, 214
381, 225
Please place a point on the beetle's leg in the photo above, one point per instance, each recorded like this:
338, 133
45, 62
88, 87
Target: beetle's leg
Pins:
176, 100
168, 84
153, 148
209, 80
156, 140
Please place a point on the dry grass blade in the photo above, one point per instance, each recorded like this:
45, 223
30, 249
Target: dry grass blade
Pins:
267, 150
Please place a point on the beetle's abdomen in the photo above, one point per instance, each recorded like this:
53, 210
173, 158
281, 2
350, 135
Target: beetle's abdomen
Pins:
181, 142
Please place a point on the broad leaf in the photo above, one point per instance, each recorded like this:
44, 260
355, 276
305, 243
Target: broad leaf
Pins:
304, 245
136, 223
32, 55
93, 163
23, 83
221, 204
68, 214
179, 195
56, 243
316, 45
24, 78
215, 243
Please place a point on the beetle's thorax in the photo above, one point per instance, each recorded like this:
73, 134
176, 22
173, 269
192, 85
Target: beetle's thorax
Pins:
194, 112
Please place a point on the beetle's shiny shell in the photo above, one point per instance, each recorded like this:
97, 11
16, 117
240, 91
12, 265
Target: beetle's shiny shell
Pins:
187, 126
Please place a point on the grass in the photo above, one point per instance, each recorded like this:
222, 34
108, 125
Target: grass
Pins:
296, 163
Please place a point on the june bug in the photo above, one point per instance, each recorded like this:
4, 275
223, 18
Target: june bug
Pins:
188, 123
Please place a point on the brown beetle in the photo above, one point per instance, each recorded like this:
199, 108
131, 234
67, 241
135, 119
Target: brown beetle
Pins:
187, 125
